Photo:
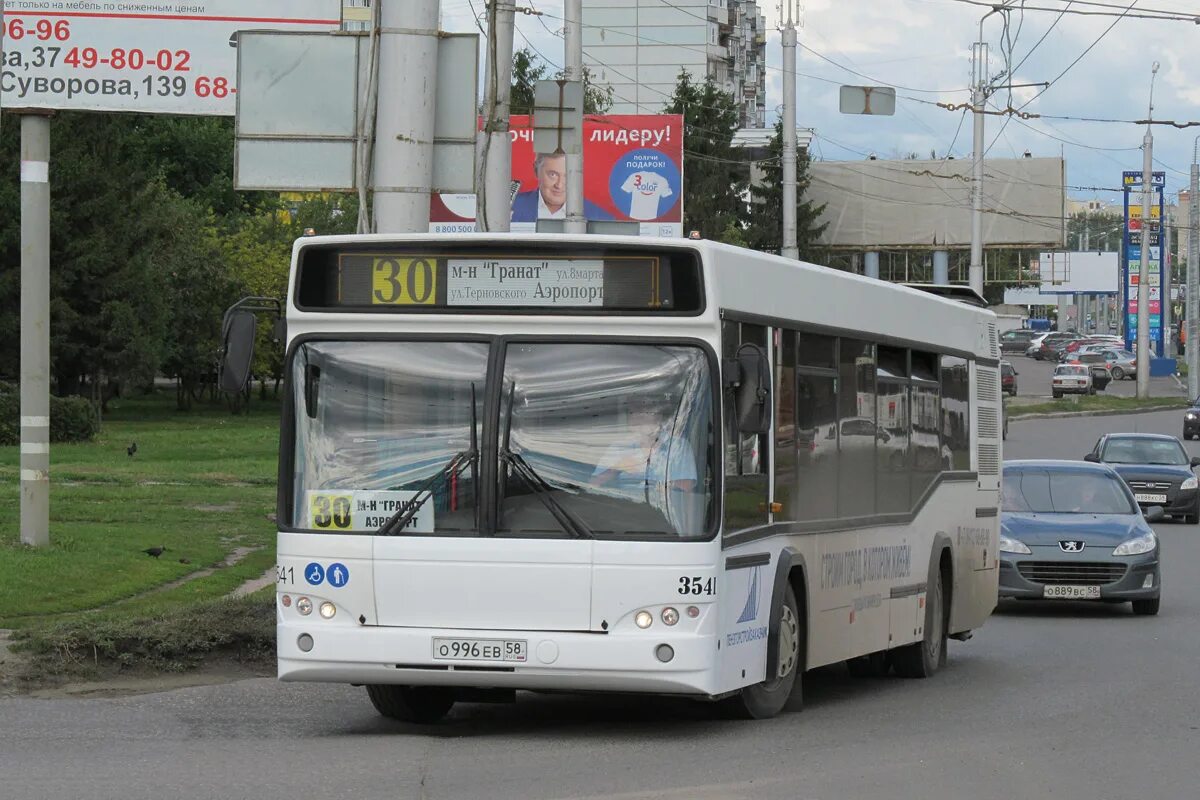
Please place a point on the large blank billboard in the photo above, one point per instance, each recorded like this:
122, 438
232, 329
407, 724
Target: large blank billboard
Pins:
875, 205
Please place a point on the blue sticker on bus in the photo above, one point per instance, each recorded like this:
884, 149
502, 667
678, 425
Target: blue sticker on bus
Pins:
314, 573
338, 575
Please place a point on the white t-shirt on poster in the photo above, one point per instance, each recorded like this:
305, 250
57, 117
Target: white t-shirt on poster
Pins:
645, 190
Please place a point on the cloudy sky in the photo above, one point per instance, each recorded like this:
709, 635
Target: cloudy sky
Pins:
923, 47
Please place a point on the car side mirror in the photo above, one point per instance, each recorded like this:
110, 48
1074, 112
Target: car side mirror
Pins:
748, 375
1195, 461
1155, 514
1092, 457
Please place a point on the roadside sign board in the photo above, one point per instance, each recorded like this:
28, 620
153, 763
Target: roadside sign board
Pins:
1131, 256
156, 58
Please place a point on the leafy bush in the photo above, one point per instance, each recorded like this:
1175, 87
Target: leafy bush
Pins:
72, 419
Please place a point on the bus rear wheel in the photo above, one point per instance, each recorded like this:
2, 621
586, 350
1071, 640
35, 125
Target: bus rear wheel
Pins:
766, 699
922, 659
420, 704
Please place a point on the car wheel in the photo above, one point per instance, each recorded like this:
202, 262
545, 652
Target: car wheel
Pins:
1146, 608
420, 704
1118, 373
922, 659
1192, 519
766, 699
1057, 395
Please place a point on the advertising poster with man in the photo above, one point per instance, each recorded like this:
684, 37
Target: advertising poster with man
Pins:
632, 171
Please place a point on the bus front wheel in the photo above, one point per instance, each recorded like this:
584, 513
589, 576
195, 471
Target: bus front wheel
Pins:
419, 704
766, 699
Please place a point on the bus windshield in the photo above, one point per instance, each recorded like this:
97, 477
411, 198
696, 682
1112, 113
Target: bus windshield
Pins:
588, 439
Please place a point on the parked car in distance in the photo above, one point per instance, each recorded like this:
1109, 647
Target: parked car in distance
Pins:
1070, 530
1157, 469
1045, 346
1017, 340
1071, 379
1191, 420
1008, 378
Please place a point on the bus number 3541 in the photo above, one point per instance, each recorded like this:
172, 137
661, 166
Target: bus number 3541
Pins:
698, 586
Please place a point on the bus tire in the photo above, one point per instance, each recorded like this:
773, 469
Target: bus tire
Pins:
922, 659
765, 700
419, 704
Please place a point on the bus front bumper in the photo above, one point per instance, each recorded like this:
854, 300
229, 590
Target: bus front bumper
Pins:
621, 662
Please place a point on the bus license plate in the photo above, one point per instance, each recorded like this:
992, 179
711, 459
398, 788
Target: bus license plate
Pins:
481, 650
1063, 592
1150, 498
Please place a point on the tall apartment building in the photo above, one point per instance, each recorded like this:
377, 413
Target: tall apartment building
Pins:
638, 47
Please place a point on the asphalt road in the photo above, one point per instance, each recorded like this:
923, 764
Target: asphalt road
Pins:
1048, 700
1033, 380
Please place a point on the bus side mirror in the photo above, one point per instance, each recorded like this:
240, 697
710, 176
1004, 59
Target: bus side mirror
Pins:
237, 340
752, 389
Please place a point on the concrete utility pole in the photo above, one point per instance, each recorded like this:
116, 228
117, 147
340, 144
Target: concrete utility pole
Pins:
35, 330
575, 222
978, 100
408, 46
789, 248
494, 193
1165, 294
1193, 278
1144, 353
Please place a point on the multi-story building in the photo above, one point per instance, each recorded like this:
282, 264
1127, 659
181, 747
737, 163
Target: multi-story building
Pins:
639, 47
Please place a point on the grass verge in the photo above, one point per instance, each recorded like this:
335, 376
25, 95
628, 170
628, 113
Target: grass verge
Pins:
1079, 403
202, 484
178, 639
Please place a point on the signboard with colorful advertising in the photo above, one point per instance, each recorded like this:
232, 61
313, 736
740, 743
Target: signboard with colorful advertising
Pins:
139, 55
1138, 233
632, 172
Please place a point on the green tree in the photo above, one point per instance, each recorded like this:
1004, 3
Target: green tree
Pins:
528, 69
714, 182
765, 229
1101, 230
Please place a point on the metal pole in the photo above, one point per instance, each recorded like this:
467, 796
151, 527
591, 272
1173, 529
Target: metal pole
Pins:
1144, 353
1165, 296
978, 99
575, 222
941, 267
871, 264
403, 174
495, 184
789, 248
35, 330
1193, 278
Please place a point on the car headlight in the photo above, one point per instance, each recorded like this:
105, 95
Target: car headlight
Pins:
1190, 483
1137, 545
1010, 545
1190, 415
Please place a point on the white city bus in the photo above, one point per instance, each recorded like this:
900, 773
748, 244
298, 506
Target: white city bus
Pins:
633, 465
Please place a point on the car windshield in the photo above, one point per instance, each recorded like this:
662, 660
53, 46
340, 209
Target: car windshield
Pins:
1164, 452
594, 439
1070, 369
1047, 491
1006, 368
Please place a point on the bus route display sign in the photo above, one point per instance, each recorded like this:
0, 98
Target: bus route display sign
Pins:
138, 55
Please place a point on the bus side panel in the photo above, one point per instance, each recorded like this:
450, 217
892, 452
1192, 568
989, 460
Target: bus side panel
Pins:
977, 564
832, 592
745, 608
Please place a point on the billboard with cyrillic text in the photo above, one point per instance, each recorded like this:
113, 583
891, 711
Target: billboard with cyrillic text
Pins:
632, 172
139, 55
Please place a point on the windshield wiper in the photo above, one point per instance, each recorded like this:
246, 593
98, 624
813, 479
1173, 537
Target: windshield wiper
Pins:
535, 483
542, 491
453, 468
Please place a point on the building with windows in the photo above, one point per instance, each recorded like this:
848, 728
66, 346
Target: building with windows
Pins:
639, 47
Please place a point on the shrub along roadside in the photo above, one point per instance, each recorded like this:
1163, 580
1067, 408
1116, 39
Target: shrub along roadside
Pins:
72, 419
240, 629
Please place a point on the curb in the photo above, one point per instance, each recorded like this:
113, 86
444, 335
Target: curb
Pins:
1097, 413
